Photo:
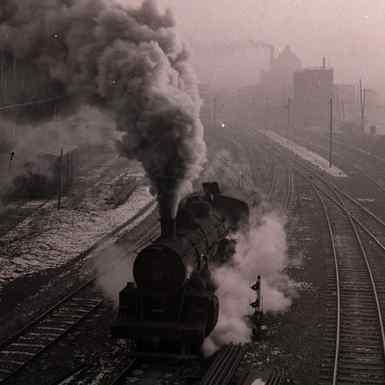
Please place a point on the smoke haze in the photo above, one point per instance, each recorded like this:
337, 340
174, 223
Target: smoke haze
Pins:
127, 60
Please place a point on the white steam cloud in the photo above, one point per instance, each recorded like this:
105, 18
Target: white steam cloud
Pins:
114, 272
128, 61
260, 250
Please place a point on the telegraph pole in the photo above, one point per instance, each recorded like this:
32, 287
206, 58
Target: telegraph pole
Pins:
288, 116
362, 105
59, 179
215, 111
267, 112
331, 131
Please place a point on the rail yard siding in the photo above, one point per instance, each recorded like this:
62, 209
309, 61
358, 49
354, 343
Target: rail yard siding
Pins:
62, 236
305, 154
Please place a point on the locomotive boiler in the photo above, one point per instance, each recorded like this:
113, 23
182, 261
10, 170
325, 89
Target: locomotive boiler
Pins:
171, 307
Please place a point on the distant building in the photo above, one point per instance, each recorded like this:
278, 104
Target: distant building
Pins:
276, 87
313, 88
277, 82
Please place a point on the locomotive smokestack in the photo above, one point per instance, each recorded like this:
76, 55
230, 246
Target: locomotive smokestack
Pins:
168, 227
167, 214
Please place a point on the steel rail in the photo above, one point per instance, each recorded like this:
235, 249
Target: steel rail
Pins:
308, 168
4, 232
63, 380
333, 186
360, 150
273, 183
83, 254
33, 355
369, 269
338, 283
355, 168
290, 187
223, 368
50, 311
120, 377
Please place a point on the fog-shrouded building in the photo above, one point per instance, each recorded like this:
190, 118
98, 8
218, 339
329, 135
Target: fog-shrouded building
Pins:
313, 88
277, 82
276, 87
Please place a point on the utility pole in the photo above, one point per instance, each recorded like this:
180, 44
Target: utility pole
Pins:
362, 106
331, 131
59, 179
343, 110
11, 156
267, 112
288, 116
215, 111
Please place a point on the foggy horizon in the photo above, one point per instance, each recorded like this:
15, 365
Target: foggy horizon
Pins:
349, 35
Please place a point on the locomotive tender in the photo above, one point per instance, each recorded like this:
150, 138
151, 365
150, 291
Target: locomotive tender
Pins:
172, 305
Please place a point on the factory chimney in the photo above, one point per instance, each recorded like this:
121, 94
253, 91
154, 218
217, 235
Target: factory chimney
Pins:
324, 62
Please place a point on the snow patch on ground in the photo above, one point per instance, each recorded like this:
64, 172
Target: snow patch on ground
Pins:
258, 381
305, 154
59, 236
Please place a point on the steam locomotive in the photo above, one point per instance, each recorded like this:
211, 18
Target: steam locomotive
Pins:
171, 307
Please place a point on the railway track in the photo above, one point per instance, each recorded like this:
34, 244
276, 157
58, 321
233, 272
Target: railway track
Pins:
120, 377
46, 330
356, 326
358, 161
352, 166
355, 345
368, 221
15, 214
223, 368
365, 218
40, 334
165, 372
278, 192
290, 189
354, 338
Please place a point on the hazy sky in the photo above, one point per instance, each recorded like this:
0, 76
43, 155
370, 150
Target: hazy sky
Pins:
350, 33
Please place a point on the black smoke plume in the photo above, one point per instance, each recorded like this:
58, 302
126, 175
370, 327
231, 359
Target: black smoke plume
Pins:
127, 61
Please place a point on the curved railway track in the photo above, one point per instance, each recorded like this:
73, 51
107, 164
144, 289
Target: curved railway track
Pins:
354, 338
342, 162
368, 221
358, 336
